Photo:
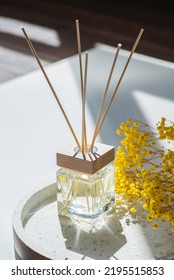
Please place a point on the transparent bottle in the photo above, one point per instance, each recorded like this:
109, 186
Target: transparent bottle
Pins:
83, 196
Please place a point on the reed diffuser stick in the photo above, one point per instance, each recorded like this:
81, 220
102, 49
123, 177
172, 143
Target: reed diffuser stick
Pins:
50, 85
120, 79
80, 54
104, 95
84, 133
81, 79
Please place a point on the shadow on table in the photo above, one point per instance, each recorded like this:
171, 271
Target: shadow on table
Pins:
101, 244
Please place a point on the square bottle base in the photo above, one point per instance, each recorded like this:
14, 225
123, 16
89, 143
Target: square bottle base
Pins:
85, 198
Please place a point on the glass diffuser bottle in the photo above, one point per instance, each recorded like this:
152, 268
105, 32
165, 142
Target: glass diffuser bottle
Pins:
85, 183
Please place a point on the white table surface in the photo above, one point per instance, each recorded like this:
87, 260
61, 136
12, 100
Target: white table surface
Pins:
32, 128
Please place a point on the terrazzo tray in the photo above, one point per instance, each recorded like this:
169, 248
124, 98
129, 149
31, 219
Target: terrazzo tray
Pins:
39, 233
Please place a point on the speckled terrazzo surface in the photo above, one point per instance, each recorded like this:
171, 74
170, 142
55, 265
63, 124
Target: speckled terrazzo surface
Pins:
121, 236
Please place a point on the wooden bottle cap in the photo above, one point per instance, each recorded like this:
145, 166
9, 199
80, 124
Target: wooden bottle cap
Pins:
86, 162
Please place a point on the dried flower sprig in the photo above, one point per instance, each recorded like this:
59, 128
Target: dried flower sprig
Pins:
145, 169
